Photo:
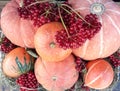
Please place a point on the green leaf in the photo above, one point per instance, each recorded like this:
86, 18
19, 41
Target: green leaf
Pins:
25, 64
19, 65
30, 52
30, 64
26, 67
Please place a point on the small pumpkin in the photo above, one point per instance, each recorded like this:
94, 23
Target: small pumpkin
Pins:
107, 41
56, 76
100, 74
19, 31
46, 45
17, 62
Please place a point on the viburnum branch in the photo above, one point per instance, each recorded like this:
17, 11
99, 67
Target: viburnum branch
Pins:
63, 23
40, 1
45, 13
76, 13
66, 10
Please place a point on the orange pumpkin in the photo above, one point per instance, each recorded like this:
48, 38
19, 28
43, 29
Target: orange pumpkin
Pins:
17, 62
56, 76
100, 74
18, 31
45, 43
107, 41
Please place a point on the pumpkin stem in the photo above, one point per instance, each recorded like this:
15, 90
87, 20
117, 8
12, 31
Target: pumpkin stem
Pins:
97, 8
21, 3
52, 45
54, 78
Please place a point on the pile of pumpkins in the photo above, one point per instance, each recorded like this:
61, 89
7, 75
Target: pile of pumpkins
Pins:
55, 67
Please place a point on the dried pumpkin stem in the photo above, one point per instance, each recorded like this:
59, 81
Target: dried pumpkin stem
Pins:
63, 22
21, 3
52, 44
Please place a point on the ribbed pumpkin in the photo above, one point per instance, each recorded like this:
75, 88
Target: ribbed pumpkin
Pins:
56, 76
18, 31
100, 74
46, 45
107, 41
17, 62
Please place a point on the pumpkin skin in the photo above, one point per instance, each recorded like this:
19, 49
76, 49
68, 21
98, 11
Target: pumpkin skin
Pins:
9, 65
100, 74
45, 43
19, 31
107, 41
56, 76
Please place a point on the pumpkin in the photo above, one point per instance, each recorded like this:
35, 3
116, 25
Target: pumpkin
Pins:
107, 41
100, 74
17, 62
19, 31
45, 42
56, 76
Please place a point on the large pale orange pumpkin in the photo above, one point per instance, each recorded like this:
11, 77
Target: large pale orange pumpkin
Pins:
100, 74
45, 42
17, 62
56, 76
18, 31
107, 41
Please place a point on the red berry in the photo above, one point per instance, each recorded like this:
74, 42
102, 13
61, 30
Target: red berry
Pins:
6, 45
115, 59
78, 30
29, 81
80, 64
39, 13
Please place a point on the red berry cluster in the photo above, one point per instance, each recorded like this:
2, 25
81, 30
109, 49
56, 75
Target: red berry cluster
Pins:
91, 26
80, 64
29, 81
6, 45
115, 59
70, 38
78, 30
39, 12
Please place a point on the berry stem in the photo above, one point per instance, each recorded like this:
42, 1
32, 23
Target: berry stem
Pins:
41, 1
63, 23
45, 13
76, 13
66, 10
